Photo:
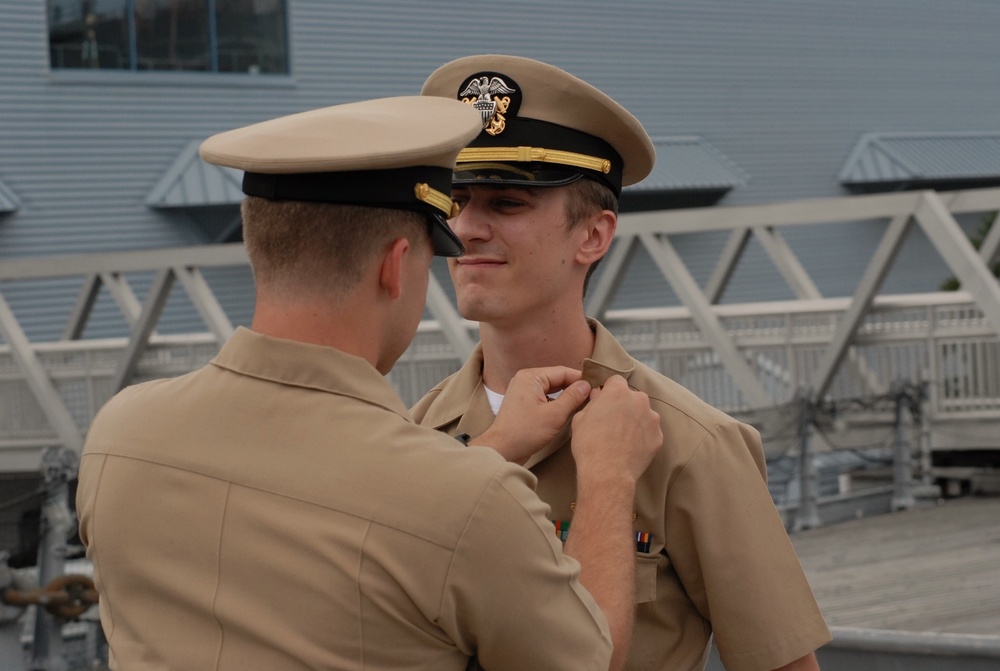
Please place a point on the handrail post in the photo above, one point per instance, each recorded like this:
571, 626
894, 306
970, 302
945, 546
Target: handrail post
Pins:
902, 468
807, 514
926, 462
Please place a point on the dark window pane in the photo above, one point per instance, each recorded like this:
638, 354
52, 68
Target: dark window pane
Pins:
88, 34
252, 36
172, 35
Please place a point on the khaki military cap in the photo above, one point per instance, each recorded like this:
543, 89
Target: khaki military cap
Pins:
392, 152
541, 125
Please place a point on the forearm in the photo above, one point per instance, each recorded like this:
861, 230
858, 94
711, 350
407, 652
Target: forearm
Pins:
499, 442
600, 539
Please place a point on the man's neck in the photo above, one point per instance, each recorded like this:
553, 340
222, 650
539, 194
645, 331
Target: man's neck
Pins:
343, 328
510, 348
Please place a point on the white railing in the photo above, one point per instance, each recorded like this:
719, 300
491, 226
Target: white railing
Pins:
942, 337
939, 337
742, 358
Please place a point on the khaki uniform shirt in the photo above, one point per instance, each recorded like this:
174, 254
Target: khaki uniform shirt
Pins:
279, 509
712, 554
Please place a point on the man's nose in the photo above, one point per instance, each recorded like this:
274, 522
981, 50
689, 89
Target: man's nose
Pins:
471, 224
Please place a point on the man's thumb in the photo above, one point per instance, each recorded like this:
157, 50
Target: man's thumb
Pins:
572, 397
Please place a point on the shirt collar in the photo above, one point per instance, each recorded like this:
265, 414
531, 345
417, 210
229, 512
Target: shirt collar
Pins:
298, 364
463, 398
609, 357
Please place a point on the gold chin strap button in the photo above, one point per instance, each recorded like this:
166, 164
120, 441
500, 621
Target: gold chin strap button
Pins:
433, 197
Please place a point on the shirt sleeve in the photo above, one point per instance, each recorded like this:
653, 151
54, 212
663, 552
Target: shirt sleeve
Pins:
512, 596
732, 553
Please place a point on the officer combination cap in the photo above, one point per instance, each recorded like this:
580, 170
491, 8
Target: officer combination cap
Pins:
541, 126
395, 153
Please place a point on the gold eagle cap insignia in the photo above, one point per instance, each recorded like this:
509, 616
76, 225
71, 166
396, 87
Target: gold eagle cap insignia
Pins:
489, 97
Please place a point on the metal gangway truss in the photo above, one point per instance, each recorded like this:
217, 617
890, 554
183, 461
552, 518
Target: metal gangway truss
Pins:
744, 358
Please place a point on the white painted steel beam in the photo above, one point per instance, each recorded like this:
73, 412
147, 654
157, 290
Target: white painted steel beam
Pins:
152, 308
124, 297
871, 280
120, 291
991, 243
724, 267
799, 212
71, 265
786, 262
612, 272
77, 321
205, 302
451, 322
963, 259
38, 381
670, 264
972, 200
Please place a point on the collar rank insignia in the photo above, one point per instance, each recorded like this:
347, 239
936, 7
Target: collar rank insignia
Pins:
487, 92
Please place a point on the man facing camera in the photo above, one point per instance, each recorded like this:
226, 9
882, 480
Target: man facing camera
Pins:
538, 196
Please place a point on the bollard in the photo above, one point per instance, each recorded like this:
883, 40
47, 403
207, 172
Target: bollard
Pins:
902, 468
807, 514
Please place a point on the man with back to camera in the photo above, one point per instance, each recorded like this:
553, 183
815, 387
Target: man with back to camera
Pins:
279, 508
538, 195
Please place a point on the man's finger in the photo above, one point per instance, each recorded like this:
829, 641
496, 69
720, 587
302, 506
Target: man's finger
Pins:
615, 381
572, 398
553, 378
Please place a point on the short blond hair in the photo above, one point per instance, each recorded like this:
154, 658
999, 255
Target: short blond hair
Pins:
320, 247
586, 198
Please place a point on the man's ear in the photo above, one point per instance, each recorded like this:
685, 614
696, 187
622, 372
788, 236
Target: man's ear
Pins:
391, 271
600, 230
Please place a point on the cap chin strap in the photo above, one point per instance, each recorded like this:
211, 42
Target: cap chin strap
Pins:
427, 194
534, 154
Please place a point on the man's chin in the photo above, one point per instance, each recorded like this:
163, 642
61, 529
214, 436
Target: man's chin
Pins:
474, 311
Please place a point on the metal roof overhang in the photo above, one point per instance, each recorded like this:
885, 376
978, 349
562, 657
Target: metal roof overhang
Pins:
190, 182
886, 161
688, 172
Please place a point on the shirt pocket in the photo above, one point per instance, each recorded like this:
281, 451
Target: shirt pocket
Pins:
645, 577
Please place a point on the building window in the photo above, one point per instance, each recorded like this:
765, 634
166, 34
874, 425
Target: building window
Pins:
248, 36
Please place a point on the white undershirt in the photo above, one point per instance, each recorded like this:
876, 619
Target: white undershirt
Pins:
496, 400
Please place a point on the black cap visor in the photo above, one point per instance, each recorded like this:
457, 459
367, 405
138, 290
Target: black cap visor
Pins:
443, 239
488, 173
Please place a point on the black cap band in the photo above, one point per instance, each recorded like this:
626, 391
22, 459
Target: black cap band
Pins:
397, 188
393, 188
585, 154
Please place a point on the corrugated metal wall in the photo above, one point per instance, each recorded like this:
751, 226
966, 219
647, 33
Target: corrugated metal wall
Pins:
783, 88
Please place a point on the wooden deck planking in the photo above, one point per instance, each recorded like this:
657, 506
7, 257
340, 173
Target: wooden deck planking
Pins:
934, 568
